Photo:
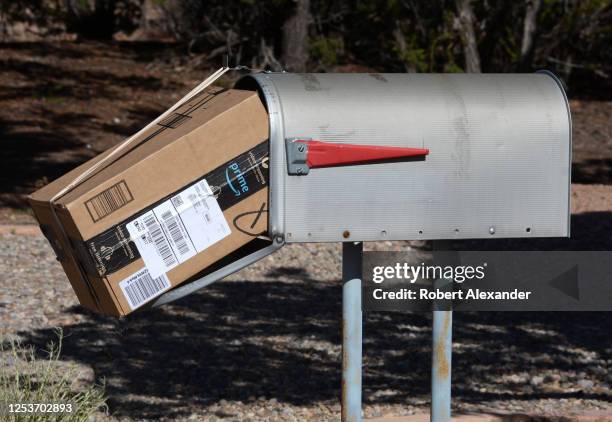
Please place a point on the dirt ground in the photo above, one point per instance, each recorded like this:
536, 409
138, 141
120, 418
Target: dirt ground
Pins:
265, 344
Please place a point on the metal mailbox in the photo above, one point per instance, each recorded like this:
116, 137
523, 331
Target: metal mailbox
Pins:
472, 156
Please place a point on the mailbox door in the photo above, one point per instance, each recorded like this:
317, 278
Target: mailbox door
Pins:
498, 164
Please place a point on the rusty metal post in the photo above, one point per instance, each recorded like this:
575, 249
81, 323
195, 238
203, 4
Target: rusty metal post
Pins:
441, 366
352, 254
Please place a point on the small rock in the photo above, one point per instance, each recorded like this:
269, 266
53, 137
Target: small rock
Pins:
598, 370
535, 381
552, 377
586, 384
516, 379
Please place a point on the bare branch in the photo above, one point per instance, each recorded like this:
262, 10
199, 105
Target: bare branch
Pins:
529, 31
295, 37
400, 40
267, 58
568, 64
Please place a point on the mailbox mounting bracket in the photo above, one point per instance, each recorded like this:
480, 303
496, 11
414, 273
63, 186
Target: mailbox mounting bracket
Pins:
297, 155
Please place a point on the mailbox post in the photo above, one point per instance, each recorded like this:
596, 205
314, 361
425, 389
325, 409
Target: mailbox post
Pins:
441, 352
352, 331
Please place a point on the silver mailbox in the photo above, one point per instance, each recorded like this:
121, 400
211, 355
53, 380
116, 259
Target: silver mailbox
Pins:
498, 162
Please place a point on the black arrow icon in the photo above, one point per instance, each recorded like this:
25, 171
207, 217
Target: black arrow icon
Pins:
567, 282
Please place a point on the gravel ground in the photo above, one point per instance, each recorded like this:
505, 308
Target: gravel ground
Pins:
265, 343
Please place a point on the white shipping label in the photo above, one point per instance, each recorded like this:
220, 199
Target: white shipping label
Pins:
202, 215
140, 287
178, 228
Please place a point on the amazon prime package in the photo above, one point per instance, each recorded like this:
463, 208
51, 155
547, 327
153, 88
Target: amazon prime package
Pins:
190, 191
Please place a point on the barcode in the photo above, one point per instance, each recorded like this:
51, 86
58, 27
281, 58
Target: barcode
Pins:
177, 201
159, 240
173, 227
108, 201
141, 287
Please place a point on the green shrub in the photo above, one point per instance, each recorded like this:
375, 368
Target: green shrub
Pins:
328, 51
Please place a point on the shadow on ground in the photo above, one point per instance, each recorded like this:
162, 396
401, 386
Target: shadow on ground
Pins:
279, 338
594, 170
64, 103
224, 344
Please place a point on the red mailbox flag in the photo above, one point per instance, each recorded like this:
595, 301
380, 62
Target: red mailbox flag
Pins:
326, 154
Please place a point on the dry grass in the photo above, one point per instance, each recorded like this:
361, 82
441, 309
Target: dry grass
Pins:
31, 376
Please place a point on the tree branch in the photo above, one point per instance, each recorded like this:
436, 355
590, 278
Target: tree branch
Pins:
468, 37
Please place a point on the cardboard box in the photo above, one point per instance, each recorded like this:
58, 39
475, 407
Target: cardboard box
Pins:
166, 208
